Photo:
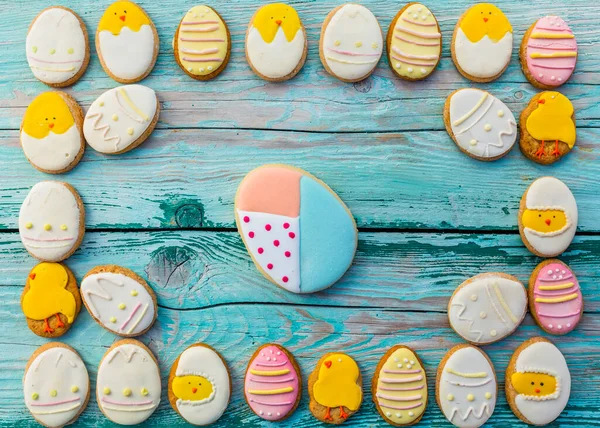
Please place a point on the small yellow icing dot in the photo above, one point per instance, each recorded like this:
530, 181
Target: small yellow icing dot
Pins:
500, 113
115, 117
74, 388
122, 306
106, 391
53, 393
493, 333
358, 44
134, 293
70, 50
34, 49
130, 131
474, 298
101, 104
482, 315
63, 227
144, 392
487, 127
113, 320
374, 45
473, 142
450, 397
52, 51
47, 227
337, 43
28, 225
35, 396
127, 392
470, 397
488, 395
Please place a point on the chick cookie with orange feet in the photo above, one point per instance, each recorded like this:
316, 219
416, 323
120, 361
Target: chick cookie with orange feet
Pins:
50, 299
548, 128
335, 388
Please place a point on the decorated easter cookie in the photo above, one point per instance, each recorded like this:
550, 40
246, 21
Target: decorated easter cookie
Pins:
480, 124
487, 307
335, 388
119, 300
273, 384
547, 217
52, 221
57, 47
538, 382
199, 385
51, 133
298, 232
466, 386
414, 42
126, 42
202, 43
276, 43
121, 119
548, 128
482, 43
399, 387
50, 299
548, 53
56, 385
351, 42
555, 299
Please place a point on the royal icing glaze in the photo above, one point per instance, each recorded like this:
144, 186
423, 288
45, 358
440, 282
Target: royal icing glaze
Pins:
483, 41
557, 299
50, 137
126, 41
119, 302
119, 117
401, 391
276, 41
202, 41
56, 386
549, 218
279, 213
272, 384
481, 123
50, 220
128, 386
487, 308
352, 42
467, 388
551, 51
542, 383
56, 46
416, 44
201, 385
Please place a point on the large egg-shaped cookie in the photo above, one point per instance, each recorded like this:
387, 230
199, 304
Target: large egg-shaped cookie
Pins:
466, 386
299, 233
487, 307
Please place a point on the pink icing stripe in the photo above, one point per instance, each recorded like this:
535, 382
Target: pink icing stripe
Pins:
127, 403
272, 380
48, 240
422, 24
556, 47
56, 403
272, 364
402, 371
139, 305
564, 278
392, 398
202, 59
278, 403
565, 292
572, 314
199, 22
411, 56
419, 34
410, 388
554, 67
351, 53
186, 39
200, 30
417, 43
412, 62
554, 29
413, 406
407, 380
197, 52
53, 62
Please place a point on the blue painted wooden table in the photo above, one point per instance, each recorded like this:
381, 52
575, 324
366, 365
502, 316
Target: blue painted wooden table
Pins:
429, 216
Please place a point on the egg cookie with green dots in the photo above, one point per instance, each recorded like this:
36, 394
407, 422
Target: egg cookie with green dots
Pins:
52, 221
119, 300
128, 386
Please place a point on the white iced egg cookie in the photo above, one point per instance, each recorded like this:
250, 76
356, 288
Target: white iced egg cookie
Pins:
119, 300
466, 387
199, 385
121, 119
57, 46
128, 386
52, 221
351, 42
127, 42
482, 43
56, 385
276, 42
487, 307
480, 124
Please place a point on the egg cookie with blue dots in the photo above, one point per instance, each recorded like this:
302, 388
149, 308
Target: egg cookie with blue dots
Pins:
128, 385
52, 221
56, 385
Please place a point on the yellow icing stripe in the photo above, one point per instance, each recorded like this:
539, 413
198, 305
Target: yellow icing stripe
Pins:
271, 391
468, 375
556, 287
132, 105
551, 36
473, 110
556, 299
269, 372
554, 55
57, 70
504, 304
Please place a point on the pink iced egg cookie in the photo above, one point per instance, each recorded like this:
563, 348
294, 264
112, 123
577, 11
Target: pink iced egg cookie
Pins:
557, 301
551, 52
272, 384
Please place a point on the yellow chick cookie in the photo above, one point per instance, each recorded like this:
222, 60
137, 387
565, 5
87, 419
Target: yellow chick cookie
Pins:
193, 388
552, 120
534, 384
485, 19
544, 221
122, 14
271, 17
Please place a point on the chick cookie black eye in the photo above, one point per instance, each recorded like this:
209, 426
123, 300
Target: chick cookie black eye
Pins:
533, 383
541, 383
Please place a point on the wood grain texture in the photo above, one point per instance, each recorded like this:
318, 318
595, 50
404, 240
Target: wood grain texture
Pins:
430, 217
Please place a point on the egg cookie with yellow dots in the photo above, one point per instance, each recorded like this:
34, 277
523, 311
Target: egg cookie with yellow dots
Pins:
548, 130
119, 300
199, 385
56, 385
126, 42
335, 388
547, 217
52, 221
57, 47
52, 133
50, 299
128, 385
538, 382
482, 43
